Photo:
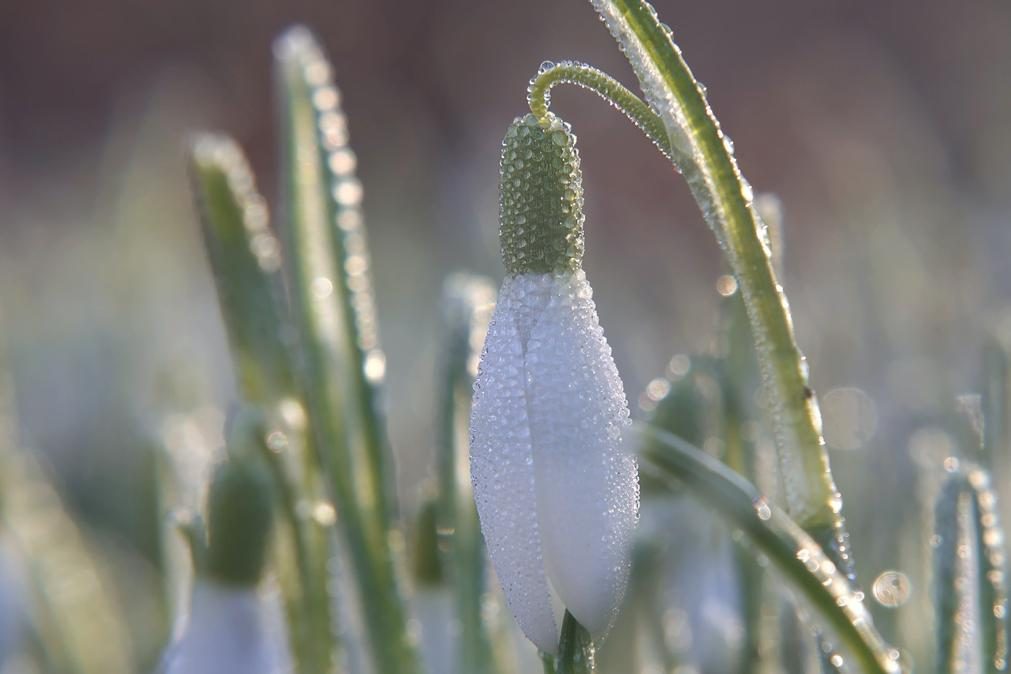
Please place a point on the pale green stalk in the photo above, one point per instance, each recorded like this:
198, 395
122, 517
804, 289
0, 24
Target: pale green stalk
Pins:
246, 260
798, 557
329, 371
970, 574
725, 199
467, 305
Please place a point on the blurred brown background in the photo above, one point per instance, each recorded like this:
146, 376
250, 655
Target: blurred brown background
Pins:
884, 128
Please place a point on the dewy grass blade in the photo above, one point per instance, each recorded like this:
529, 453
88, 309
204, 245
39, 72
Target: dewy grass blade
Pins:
970, 586
467, 305
726, 201
326, 368
351, 278
81, 631
246, 260
802, 562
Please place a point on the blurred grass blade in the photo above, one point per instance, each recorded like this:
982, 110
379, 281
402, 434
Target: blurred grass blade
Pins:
725, 199
467, 305
329, 370
575, 648
245, 258
803, 563
970, 587
339, 194
80, 628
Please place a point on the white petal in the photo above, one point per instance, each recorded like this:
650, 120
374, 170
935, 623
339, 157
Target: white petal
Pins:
227, 632
587, 485
501, 465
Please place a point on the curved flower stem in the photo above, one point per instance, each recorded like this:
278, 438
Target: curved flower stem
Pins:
803, 563
611, 90
725, 199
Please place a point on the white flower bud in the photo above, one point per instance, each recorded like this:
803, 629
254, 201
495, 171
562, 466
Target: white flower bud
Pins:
556, 493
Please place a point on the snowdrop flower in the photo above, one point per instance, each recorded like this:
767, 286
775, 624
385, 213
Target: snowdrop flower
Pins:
556, 494
232, 627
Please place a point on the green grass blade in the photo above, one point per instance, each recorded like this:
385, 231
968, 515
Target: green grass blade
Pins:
575, 648
969, 582
801, 560
351, 275
328, 371
725, 199
79, 626
991, 558
467, 304
245, 258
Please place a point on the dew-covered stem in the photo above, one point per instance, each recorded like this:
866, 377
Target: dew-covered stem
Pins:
358, 476
611, 90
801, 560
725, 199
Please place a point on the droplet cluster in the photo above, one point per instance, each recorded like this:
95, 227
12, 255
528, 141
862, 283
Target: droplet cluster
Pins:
541, 198
555, 489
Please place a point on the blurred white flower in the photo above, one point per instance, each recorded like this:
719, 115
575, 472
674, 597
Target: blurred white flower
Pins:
228, 630
556, 493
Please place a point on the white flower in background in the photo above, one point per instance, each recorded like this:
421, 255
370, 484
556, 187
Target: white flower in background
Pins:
229, 630
556, 493
232, 626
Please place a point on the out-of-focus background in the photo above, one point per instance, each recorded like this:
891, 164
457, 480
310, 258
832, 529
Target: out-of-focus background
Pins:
883, 127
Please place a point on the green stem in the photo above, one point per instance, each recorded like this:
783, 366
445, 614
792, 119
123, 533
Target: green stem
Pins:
575, 648
352, 467
802, 562
725, 199
467, 303
608, 88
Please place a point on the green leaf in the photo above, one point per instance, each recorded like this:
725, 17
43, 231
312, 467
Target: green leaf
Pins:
326, 251
69, 597
467, 303
969, 580
802, 562
246, 262
575, 648
726, 202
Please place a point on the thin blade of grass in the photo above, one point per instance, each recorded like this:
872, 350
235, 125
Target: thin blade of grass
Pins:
467, 304
801, 560
329, 372
80, 628
725, 199
969, 576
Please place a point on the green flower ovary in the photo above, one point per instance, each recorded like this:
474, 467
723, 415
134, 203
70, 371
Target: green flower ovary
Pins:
541, 198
